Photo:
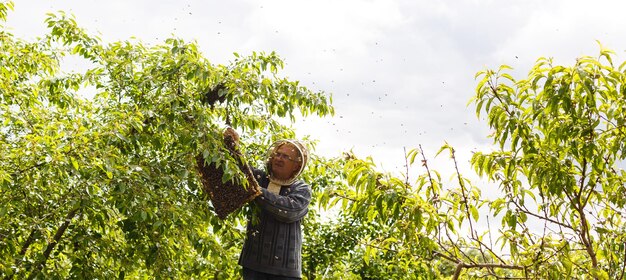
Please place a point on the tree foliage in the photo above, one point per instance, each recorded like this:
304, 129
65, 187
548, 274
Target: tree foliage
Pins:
105, 186
561, 137
97, 177
559, 148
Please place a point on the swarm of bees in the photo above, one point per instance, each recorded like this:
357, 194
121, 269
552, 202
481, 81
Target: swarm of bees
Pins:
215, 95
228, 196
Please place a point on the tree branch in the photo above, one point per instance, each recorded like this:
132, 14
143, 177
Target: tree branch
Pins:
580, 207
460, 266
435, 197
623, 264
18, 261
55, 240
406, 165
528, 212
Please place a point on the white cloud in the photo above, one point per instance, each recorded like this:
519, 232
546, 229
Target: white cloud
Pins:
401, 71
568, 30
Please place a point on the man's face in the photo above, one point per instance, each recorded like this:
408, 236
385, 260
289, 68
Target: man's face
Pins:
285, 162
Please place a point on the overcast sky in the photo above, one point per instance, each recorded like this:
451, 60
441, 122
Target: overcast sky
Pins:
401, 72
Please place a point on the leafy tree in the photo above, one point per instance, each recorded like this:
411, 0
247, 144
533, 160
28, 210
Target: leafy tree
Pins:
97, 176
105, 187
559, 135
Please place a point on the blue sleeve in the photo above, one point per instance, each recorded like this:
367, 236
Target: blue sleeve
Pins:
288, 208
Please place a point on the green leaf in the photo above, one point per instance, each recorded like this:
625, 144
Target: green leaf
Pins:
474, 212
74, 163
